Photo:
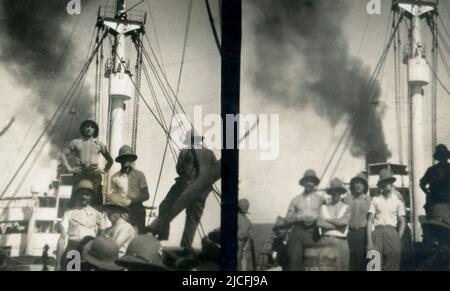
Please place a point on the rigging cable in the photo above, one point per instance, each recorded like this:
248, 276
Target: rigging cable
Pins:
213, 27
183, 54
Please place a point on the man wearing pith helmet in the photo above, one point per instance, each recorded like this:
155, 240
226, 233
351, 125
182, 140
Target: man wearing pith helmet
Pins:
359, 202
302, 214
385, 213
129, 188
85, 152
80, 221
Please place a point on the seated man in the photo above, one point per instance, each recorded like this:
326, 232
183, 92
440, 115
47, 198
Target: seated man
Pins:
121, 231
333, 220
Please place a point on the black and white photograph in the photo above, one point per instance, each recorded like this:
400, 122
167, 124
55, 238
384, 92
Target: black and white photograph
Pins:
352, 171
102, 166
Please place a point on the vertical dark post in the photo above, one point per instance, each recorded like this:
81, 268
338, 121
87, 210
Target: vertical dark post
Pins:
231, 60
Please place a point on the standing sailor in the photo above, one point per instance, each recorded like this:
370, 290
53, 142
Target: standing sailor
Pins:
436, 181
385, 212
359, 203
193, 162
129, 188
302, 213
86, 152
333, 220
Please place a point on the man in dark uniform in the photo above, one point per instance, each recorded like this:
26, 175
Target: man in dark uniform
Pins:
436, 181
86, 152
193, 162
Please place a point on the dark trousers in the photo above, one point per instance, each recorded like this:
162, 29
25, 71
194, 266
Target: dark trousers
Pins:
71, 246
386, 240
194, 213
137, 216
298, 239
357, 242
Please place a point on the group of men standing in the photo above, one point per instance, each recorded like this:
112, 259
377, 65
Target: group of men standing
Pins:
120, 214
351, 226
357, 223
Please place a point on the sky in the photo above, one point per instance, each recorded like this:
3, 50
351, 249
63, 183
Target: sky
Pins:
307, 138
199, 85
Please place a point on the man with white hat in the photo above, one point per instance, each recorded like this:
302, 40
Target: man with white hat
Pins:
385, 213
86, 153
129, 188
244, 234
302, 214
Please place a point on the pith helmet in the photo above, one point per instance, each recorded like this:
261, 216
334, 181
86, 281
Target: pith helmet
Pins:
93, 123
310, 175
125, 152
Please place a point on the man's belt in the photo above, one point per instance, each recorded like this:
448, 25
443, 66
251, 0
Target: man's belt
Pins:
357, 228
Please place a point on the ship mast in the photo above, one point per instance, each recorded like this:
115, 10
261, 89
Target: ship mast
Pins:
418, 79
121, 87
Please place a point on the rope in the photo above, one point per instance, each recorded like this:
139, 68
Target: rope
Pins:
435, 65
213, 27
398, 111
139, 62
186, 34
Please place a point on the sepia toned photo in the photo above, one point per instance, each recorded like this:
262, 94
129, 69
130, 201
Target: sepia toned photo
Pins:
360, 179
102, 166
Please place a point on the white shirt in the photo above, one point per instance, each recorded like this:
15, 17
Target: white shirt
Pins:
387, 210
79, 223
335, 212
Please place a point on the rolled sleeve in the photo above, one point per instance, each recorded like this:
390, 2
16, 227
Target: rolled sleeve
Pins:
371, 207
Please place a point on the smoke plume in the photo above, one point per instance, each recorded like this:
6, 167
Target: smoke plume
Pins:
302, 58
39, 54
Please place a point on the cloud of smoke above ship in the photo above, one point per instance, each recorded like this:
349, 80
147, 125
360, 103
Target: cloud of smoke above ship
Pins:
302, 59
38, 52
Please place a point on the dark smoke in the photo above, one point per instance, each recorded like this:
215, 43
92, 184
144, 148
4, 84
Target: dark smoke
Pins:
36, 51
332, 81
